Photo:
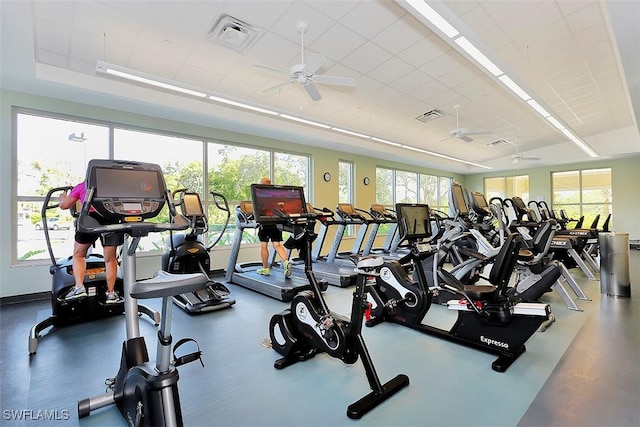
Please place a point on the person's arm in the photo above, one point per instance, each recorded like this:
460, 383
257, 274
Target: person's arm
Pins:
66, 201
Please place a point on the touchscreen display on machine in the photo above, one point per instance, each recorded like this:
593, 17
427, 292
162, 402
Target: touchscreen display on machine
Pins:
414, 220
191, 205
127, 184
287, 199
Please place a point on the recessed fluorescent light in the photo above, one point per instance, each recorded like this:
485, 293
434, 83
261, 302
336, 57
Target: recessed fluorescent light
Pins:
384, 141
434, 17
309, 122
478, 56
514, 87
144, 78
408, 147
584, 147
241, 105
348, 132
534, 104
555, 122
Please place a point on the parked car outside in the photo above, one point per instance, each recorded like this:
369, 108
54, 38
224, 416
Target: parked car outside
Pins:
56, 224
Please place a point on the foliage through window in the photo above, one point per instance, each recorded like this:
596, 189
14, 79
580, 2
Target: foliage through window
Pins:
585, 193
54, 151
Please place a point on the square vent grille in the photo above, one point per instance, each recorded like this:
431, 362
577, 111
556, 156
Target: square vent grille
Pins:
498, 143
233, 33
429, 115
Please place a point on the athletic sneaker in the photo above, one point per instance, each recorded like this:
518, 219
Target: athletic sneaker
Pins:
287, 269
76, 293
112, 297
264, 271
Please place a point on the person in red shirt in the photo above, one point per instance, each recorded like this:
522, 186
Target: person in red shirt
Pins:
110, 243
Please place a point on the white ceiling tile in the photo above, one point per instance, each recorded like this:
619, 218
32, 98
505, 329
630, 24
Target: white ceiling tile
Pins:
52, 58
196, 20
58, 12
477, 20
287, 25
276, 51
198, 77
262, 14
165, 42
53, 37
88, 47
584, 17
334, 9
366, 58
494, 38
337, 42
368, 18
459, 76
411, 81
401, 35
424, 51
444, 65
390, 70
150, 63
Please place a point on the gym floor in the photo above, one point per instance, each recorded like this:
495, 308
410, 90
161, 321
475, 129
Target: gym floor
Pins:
583, 371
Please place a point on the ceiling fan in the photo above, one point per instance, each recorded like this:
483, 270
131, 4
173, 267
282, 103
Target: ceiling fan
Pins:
516, 158
464, 133
305, 72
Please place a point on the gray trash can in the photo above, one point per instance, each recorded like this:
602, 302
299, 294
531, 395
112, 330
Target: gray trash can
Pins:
614, 264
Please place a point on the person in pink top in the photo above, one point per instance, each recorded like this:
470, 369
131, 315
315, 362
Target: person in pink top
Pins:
110, 243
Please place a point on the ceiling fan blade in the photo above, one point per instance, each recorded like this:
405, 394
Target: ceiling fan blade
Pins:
270, 68
465, 138
276, 87
334, 80
312, 91
314, 63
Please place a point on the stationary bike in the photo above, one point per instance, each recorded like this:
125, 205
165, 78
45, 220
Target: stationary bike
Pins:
127, 193
488, 318
309, 327
186, 253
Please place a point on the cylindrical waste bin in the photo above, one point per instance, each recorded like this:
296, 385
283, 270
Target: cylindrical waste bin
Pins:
614, 264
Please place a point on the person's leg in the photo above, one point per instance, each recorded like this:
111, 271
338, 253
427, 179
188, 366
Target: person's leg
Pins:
79, 269
264, 254
111, 266
283, 254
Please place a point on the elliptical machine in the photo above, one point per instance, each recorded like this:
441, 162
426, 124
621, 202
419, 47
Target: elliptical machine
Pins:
68, 312
309, 327
489, 319
128, 193
188, 254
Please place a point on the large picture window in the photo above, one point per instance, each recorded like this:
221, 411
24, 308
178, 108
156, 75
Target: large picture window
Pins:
507, 186
54, 151
583, 193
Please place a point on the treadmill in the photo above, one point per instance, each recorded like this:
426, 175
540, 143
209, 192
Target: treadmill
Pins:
339, 275
266, 197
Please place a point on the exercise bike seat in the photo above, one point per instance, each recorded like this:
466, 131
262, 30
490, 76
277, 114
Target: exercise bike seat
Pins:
164, 284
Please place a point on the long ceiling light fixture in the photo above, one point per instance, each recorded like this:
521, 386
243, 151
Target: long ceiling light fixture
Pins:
452, 33
139, 77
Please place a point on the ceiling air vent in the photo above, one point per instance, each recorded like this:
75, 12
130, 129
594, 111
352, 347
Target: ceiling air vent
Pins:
429, 115
233, 33
498, 143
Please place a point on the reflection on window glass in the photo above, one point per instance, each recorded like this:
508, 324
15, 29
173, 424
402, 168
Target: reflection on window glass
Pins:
505, 187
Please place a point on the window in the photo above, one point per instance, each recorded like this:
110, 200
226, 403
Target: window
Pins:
505, 187
585, 193
394, 186
54, 151
345, 182
406, 185
51, 152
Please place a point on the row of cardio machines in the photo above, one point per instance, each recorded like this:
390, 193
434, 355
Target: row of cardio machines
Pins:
334, 268
185, 252
543, 266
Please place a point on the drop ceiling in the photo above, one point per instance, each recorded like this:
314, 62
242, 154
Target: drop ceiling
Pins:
580, 59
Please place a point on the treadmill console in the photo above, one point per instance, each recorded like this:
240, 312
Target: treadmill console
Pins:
270, 199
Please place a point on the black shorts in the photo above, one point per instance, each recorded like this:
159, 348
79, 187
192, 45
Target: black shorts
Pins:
269, 232
107, 239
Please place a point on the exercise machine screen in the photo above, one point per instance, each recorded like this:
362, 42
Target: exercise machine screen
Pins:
286, 199
413, 220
